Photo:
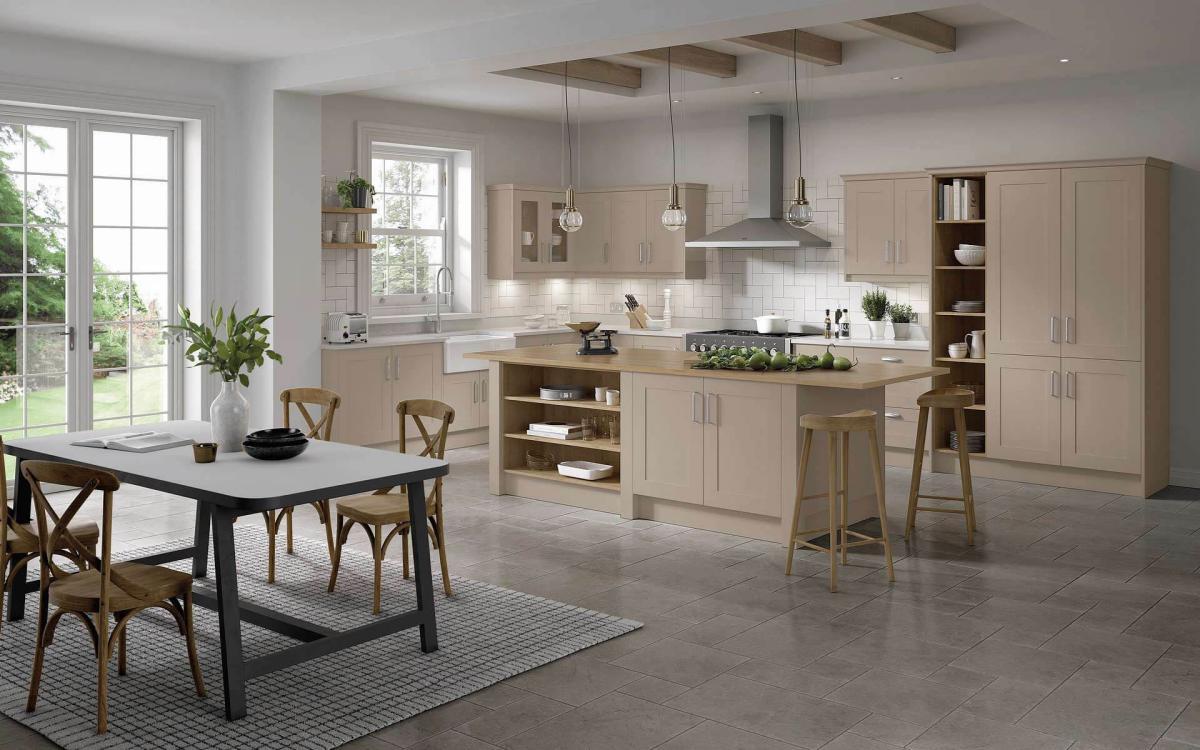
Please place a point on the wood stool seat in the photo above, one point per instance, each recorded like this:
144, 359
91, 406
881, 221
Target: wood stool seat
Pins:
388, 508
80, 592
839, 427
957, 400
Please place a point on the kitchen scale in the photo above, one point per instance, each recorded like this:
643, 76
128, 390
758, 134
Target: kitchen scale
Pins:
594, 341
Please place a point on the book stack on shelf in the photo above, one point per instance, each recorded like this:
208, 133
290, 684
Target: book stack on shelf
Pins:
559, 430
960, 199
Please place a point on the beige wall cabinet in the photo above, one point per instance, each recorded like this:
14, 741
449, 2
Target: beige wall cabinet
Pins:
622, 233
1024, 408
888, 226
1102, 415
371, 381
708, 441
467, 393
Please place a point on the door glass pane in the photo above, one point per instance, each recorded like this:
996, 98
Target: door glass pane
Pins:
530, 242
150, 390
47, 249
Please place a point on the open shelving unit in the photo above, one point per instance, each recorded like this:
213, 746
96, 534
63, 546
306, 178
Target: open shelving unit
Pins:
353, 213
952, 281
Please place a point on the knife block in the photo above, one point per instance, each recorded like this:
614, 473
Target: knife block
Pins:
638, 317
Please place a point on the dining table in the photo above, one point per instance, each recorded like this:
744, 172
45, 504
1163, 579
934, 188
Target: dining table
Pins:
238, 485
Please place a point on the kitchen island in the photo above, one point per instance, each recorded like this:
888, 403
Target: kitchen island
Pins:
708, 449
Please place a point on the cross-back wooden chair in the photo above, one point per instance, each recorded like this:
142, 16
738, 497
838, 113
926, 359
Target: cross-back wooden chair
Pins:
317, 429
389, 507
20, 543
100, 588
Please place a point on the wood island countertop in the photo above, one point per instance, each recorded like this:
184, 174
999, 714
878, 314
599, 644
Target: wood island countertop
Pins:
863, 376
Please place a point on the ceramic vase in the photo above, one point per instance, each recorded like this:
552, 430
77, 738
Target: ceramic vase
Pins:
230, 417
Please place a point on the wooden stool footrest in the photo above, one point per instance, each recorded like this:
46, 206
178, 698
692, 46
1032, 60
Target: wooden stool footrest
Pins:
943, 497
810, 545
956, 511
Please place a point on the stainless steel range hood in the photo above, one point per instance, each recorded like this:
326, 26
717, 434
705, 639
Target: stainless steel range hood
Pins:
764, 226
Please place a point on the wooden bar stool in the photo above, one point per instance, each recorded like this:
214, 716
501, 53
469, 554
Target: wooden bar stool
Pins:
956, 399
839, 482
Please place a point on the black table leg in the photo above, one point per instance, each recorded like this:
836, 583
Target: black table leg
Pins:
422, 567
200, 543
21, 509
233, 668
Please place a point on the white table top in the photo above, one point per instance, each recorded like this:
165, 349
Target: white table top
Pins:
323, 471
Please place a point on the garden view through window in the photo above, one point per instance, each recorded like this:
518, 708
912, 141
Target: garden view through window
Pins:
409, 227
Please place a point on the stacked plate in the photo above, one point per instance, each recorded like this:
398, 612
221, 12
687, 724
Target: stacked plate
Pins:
974, 441
968, 305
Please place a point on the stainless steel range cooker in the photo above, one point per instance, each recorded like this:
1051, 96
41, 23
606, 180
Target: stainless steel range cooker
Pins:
708, 340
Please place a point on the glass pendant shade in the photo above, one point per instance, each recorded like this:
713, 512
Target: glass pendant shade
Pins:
571, 220
674, 217
800, 213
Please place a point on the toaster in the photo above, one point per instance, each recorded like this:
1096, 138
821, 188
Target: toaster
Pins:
345, 328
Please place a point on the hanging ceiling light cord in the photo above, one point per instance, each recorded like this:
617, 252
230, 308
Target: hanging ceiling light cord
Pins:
671, 114
570, 220
567, 125
799, 214
796, 92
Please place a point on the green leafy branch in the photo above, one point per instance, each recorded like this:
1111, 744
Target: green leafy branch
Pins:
244, 345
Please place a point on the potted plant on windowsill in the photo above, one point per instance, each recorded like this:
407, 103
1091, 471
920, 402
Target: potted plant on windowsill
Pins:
902, 316
355, 192
227, 348
875, 307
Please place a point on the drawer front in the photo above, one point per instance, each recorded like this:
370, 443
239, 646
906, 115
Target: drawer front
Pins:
900, 427
892, 356
545, 339
816, 350
904, 394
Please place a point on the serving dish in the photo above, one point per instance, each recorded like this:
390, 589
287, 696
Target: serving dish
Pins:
585, 470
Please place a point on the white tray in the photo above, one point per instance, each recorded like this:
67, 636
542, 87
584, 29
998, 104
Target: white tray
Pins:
584, 470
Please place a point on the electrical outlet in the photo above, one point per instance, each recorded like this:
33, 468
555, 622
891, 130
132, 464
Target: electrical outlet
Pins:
615, 307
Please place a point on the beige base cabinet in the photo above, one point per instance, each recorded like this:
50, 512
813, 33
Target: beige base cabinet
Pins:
1102, 415
371, 381
710, 442
622, 233
1024, 399
467, 393
888, 229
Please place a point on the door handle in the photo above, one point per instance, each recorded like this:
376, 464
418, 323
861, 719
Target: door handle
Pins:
396, 367
649, 253
712, 404
641, 252
697, 408
1054, 383
1069, 333
899, 251
1070, 385
474, 392
887, 248
483, 388
890, 359
70, 334
1053, 329
892, 415
387, 367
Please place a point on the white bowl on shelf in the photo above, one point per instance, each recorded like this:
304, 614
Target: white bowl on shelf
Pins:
585, 470
957, 351
970, 255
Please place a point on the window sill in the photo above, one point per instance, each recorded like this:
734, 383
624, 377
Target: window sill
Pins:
422, 317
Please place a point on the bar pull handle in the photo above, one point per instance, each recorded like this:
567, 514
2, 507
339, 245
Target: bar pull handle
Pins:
396, 367
887, 249
649, 252
899, 251
605, 253
1053, 329
641, 252
712, 408
1054, 383
474, 392
1070, 385
483, 389
890, 359
1070, 330
697, 408
387, 367
892, 415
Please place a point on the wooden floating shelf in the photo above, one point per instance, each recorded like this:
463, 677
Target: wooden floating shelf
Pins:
960, 268
977, 407
596, 445
960, 221
328, 210
960, 314
972, 360
608, 484
594, 405
348, 246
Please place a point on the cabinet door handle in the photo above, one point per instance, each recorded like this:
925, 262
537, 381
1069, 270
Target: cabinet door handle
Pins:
1069, 333
890, 359
1070, 385
387, 367
641, 252
887, 249
1053, 329
605, 253
1054, 383
697, 408
474, 392
483, 389
649, 253
712, 404
892, 415
899, 251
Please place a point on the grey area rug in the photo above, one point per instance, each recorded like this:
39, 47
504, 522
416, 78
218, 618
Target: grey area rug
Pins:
485, 633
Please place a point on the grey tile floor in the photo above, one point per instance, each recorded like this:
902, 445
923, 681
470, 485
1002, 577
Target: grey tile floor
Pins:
1074, 622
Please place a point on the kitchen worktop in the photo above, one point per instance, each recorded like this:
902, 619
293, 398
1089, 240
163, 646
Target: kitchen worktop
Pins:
863, 376
429, 337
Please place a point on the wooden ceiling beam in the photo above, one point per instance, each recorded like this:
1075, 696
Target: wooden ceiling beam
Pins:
809, 47
692, 58
596, 71
912, 28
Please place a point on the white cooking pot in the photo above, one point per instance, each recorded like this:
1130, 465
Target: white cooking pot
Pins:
771, 324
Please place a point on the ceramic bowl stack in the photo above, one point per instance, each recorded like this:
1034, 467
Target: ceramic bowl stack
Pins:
967, 306
974, 441
275, 444
970, 255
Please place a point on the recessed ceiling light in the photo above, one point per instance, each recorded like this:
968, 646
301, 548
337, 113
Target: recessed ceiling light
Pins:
897, 78
755, 92
1064, 59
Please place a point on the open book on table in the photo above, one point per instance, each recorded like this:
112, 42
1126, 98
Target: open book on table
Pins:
136, 442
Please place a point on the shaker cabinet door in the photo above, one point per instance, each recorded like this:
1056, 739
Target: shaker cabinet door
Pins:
668, 437
1024, 403
628, 245
461, 391
1023, 262
743, 446
870, 227
363, 378
664, 248
592, 243
1102, 415
914, 235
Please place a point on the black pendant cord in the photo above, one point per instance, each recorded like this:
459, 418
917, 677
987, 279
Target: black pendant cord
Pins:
671, 114
567, 117
796, 92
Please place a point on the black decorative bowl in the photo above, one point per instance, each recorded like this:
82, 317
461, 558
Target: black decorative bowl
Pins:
276, 434
274, 451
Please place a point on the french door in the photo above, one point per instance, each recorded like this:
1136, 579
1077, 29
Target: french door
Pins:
88, 244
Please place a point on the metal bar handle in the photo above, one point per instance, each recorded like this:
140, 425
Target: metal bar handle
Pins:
890, 359
483, 389
697, 408
899, 251
1054, 383
1070, 330
474, 392
387, 367
649, 252
1053, 329
641, 252
887, 247
892, 414
1070, 385
711, 411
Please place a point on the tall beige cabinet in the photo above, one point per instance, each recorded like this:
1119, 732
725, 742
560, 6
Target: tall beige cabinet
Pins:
1076, 316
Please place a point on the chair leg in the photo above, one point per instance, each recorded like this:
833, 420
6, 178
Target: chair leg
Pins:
914, 487
121, 645
327, 520
190, 635
844, 489
964, 470
35, 677
102, 672
288, 513
833, 513
343, 531
270, 518
377, 550
881, 500
441, 545
805, 452
404, 549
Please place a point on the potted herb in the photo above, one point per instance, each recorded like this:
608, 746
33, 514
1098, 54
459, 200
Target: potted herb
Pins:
355, 192
902, 316
875, 307
227, 348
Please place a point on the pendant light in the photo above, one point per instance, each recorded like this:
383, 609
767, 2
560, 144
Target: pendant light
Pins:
800, 213
571, 220
674, 217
